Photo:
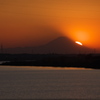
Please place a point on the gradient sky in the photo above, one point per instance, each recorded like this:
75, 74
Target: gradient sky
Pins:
36, 22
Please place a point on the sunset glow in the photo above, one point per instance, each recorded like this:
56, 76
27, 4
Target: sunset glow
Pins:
88, 35
36, 22
78, 42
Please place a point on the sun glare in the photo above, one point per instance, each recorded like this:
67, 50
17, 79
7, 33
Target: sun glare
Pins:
79, 43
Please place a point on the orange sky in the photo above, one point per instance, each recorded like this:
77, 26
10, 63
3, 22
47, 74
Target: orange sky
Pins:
35, 22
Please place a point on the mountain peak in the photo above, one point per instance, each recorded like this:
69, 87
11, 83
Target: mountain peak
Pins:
61, 45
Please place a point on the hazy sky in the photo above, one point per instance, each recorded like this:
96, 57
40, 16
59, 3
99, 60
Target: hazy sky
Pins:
35, 22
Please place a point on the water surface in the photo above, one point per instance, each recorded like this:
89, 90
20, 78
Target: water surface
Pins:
48, 83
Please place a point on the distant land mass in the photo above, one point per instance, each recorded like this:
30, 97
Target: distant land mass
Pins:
54, 60
61, 45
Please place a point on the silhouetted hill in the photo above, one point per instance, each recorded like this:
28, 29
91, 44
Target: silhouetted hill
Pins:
61, 45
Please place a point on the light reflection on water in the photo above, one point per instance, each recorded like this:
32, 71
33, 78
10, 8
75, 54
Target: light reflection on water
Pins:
3, 62
41, 68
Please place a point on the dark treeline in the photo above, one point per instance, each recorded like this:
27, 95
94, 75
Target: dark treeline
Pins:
56, 60
23, 57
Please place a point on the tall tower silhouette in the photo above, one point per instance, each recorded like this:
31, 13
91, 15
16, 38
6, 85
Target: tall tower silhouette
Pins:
1, 49
94, 51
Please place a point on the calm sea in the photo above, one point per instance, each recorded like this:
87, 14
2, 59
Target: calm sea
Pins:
49, 83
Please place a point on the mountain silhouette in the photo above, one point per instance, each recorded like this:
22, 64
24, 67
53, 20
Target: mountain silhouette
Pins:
64, 45
61, 45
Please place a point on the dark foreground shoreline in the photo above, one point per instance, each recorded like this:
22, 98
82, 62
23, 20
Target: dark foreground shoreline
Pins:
80, 65
79, 61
